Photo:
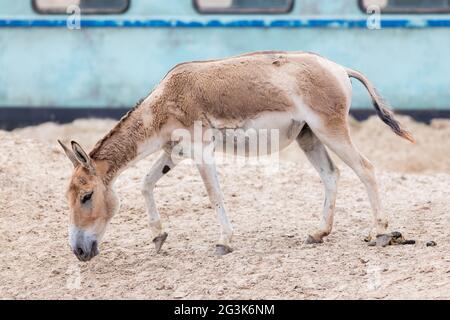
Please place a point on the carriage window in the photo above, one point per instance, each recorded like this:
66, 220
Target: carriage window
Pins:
243, 6
408, 6
86, 6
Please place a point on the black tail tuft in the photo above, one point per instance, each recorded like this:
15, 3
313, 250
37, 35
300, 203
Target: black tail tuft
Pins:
388, 118
382, 107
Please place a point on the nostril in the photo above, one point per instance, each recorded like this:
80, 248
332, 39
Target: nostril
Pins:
80, 251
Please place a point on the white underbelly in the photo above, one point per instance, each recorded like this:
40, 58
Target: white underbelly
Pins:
263, 135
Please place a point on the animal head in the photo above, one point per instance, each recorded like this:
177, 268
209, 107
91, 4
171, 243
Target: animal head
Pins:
92, 203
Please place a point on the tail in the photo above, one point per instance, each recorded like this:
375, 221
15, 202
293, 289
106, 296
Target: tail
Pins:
381, 106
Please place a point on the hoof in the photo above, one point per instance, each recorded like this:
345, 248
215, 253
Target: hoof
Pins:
393, 238
383, 240
159, 241
222, 250
312, 240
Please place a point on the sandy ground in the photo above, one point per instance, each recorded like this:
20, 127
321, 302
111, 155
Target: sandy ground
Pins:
271, 212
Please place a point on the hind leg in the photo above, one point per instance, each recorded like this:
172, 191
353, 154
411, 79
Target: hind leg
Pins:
339, 141
329, 174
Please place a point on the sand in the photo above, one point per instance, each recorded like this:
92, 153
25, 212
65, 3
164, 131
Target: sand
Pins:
272, 212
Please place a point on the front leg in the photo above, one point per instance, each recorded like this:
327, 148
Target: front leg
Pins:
162, 165
209, 175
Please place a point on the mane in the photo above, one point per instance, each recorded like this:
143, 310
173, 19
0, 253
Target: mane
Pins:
115, 129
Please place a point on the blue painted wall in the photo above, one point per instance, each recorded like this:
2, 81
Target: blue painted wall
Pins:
116, 59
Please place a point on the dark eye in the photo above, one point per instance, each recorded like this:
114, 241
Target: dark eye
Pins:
86, 197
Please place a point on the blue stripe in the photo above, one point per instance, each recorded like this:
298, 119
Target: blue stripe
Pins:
241, 23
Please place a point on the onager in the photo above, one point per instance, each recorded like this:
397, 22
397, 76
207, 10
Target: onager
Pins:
303, 95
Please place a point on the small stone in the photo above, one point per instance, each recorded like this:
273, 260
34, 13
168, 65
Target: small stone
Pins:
431, 244
364, 261
179, 294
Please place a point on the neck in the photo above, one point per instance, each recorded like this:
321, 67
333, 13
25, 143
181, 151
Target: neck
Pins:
126, 143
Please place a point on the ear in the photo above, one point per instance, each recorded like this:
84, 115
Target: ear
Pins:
69, 153
82, 157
